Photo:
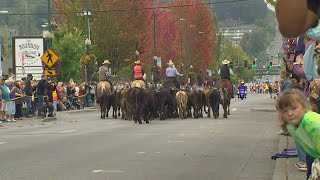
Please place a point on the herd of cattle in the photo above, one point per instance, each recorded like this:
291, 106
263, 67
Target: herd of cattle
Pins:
147, 104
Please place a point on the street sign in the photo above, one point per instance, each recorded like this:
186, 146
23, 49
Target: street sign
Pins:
50, 72
49, 58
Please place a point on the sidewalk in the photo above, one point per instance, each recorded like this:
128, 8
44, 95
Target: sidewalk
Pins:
35, 121
284, 168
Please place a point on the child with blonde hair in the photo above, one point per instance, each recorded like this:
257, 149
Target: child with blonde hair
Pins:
302, 124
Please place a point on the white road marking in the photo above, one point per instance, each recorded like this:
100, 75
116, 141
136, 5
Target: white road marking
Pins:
2, 143
106, 171
112, 123
67, 131
175, 141
141, 152
233, 109
157, 152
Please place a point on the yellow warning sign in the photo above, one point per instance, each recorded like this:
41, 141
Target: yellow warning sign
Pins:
50, 72
49, 58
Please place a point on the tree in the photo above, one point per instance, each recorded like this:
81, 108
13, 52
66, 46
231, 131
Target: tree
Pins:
237, 56
70, 46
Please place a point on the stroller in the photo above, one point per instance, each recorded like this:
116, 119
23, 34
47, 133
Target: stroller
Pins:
71, 103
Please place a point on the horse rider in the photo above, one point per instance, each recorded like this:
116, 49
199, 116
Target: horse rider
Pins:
172, 73
105, 72
138, 72
225, 71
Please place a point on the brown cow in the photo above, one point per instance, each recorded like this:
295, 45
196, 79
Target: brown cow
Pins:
124, 103
195, 101
206, 102
182, 100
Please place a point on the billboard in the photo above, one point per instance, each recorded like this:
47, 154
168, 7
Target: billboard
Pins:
27, 56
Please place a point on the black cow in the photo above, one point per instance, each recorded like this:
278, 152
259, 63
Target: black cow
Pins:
214, 101
105, 104
165, 103
115, 103
141, 104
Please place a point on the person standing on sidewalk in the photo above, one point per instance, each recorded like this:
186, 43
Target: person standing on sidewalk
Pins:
11, 105
29, 93
42, 85
302, 124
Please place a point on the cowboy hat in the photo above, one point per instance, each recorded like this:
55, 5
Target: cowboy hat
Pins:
137, 62
170, 63
106, 62
225, 62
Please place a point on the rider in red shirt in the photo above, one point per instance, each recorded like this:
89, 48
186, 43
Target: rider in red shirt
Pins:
138, 72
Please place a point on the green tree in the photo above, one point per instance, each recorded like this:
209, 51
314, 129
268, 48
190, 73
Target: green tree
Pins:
262, 34
70, 46
237, 56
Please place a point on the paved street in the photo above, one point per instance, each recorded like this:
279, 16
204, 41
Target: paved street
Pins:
82, 146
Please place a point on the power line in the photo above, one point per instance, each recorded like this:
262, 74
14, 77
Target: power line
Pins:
132, 9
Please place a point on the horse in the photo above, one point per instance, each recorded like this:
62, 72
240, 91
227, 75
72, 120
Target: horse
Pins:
138, 84
225, 102
103, 97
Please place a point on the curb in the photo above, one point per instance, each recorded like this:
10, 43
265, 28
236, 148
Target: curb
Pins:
80, 110
49, 119
284, 167
263, 110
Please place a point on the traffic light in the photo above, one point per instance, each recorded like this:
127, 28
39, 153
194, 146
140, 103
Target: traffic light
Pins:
254, 64
270, 65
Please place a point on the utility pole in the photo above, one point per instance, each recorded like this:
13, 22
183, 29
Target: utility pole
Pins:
49, 23
154, 32
87, 41
88, 25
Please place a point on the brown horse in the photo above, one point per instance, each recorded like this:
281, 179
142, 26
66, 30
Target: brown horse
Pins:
103, 97
138, 84
226, 84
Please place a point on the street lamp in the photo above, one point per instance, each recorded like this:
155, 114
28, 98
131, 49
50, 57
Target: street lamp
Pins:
87, 42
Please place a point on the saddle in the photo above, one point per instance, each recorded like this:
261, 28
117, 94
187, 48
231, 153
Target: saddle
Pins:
138, 84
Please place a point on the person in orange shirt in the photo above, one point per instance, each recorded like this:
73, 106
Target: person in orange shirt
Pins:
138, 72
